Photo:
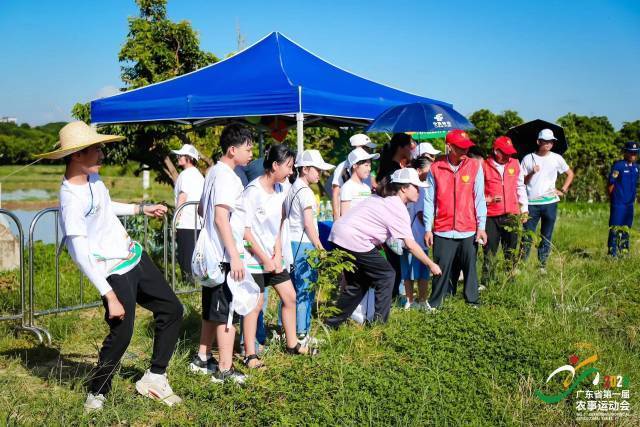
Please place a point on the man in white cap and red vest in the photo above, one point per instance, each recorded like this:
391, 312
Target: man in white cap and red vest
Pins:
116, 265
506, 197
455, 213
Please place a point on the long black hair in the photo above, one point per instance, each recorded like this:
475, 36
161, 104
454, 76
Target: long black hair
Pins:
278, 153
389, 150
386, 188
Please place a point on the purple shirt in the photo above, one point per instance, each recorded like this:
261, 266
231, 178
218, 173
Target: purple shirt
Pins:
371, 223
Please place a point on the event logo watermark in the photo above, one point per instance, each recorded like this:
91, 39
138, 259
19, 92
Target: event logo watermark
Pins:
602, 398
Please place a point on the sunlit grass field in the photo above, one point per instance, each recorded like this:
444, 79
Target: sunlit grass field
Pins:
458, 366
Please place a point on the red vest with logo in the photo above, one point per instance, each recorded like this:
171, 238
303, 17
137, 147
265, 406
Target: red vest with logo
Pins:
454, 199
505, 186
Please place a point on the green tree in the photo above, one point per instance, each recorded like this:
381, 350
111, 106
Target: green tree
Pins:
489, 126
592, 149
630, 131
155, 49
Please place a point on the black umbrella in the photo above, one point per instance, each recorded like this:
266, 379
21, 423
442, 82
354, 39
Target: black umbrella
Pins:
525, 137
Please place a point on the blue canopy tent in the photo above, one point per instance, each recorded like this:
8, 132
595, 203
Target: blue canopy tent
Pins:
273, 77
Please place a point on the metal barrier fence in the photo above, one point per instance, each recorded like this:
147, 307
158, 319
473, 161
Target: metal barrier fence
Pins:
23, 314
28, 314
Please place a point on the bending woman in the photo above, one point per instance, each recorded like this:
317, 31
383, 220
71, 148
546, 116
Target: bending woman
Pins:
361, 232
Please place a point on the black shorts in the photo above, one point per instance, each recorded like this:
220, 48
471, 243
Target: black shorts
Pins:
271, 279
217, 300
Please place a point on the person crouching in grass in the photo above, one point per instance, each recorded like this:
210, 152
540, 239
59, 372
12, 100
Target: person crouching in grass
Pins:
363, 230
116, 265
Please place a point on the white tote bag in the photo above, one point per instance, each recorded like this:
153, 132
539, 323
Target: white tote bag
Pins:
206, 269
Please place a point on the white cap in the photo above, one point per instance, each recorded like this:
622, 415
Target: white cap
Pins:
187, 150
245, 293
408, 176
547, 135
360, 140
312, 158
424, 148
358, 155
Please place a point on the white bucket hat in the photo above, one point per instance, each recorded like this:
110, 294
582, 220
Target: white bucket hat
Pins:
245, 294
408, 176
76, 136
547, 135
312, 158
360, 139
358, 155
188, 150
424, 148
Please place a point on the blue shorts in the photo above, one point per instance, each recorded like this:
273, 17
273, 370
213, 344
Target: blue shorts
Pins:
412, 268
621, 215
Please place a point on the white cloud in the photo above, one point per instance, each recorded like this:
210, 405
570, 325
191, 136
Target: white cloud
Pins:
107, 91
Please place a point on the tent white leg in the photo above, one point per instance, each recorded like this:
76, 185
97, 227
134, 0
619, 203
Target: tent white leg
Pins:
300, 131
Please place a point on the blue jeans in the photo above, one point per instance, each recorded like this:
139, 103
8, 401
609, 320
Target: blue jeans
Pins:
546, 214
302, 276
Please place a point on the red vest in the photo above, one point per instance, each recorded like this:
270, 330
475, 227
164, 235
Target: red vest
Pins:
454, 199
502, 185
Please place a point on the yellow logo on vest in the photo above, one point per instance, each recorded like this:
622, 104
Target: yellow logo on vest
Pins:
465, 178
511, 171
615, 173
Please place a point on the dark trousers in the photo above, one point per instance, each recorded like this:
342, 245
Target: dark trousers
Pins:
546, 215
146, 286
497, 234
372, 270
394, 260
448, 253
186, 241
619, 216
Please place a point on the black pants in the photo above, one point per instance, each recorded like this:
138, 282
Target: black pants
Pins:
371, 271
186, 240
448, 253
394, 260
497, 234
146, 286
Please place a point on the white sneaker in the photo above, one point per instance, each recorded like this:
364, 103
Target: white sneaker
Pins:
309, 341
407, 305
426, 307
157, 387
94, 402
482, 288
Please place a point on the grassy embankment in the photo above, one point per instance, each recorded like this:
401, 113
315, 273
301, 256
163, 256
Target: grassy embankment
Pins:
122, 183
457, 366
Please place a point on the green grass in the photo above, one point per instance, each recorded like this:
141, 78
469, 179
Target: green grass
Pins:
456, 367
123, 185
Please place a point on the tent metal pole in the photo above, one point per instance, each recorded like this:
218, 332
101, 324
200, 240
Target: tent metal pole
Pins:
300, 123
300, 131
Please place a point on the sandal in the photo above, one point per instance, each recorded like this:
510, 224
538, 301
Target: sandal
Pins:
247, 361
300, 350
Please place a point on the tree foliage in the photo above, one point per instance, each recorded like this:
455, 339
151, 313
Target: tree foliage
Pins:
489, 126
155, 49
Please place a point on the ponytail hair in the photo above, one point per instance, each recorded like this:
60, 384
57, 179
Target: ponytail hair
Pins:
386, 188
278, 153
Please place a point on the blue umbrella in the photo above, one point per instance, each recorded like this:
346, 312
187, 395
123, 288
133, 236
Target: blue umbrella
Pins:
419, 117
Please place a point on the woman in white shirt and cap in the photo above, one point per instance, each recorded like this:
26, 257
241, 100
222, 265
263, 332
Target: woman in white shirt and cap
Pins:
301, 209
188, 188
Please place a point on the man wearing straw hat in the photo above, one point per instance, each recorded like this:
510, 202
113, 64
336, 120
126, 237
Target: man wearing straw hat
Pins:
116, 265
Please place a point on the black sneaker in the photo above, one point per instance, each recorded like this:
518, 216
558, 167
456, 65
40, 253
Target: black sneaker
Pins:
210, 366
228, 375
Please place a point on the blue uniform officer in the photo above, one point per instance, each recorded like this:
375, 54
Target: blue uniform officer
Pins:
623, 182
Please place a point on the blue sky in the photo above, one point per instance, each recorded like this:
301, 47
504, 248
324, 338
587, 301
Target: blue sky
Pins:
542, 59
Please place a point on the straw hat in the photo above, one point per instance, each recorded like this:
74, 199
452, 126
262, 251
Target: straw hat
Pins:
74, 137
